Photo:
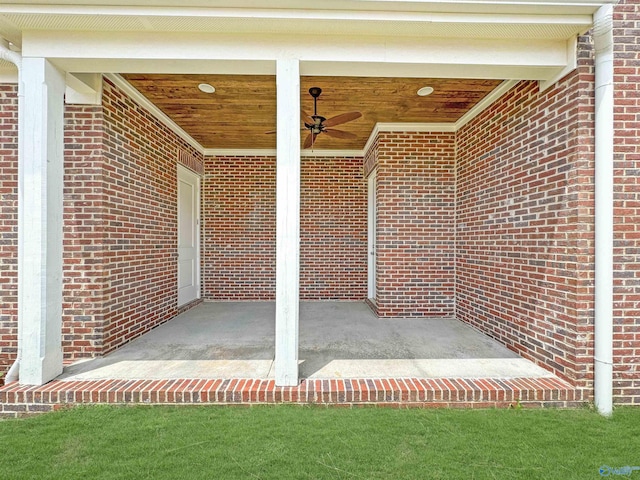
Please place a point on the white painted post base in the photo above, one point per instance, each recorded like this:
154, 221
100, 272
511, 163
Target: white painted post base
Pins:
40, 190
287, 222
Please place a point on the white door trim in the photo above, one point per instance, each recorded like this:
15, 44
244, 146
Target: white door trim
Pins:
371, 236
192, 293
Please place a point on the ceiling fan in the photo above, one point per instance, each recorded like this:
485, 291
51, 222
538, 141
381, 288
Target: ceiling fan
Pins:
317, 124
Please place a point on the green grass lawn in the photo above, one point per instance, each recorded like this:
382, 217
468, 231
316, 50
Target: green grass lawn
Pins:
302, 442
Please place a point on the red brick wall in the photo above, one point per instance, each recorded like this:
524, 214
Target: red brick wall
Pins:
333, 229
8, 226
415, 196
524, 262
627, 204
140, 219
525, 224
239, 220
84, 236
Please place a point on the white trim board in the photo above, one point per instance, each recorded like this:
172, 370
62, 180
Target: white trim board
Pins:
239, 152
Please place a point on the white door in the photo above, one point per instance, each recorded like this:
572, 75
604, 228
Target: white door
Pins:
188, 236
371, 187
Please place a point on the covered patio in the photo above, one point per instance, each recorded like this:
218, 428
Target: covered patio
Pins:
337, 340
170, 173
221, 353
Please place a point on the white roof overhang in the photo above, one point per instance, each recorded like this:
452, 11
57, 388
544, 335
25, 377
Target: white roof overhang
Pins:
523, 39
496, 39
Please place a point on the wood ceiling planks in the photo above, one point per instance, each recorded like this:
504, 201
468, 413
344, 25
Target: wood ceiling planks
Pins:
243, 107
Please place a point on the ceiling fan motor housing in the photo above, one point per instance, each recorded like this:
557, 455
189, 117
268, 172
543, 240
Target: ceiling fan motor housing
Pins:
317, 126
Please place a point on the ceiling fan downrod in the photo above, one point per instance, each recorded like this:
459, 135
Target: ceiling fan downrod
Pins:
316, 127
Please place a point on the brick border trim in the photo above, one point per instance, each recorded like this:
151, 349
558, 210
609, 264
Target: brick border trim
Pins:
17, 400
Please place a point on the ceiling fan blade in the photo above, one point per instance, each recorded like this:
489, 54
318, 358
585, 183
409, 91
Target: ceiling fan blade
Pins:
308, 141
342, 118
306, 118
339, 134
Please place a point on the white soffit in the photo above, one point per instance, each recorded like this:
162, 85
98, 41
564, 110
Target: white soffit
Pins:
259, 7
4, 65
467, 26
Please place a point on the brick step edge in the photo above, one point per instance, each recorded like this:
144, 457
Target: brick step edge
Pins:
409, 392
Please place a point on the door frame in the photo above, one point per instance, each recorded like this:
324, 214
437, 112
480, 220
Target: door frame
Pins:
188, 176
371, 236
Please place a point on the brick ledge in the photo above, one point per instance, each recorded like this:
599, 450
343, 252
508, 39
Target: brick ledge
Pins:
16, 399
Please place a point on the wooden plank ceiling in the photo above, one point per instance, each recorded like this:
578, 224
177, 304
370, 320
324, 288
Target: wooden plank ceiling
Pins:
243, 107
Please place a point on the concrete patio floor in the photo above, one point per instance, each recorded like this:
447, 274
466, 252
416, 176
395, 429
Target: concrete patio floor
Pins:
337, 340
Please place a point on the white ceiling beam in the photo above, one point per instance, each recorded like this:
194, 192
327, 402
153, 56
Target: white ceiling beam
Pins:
203, 46
255, 54
83, 82
571, 64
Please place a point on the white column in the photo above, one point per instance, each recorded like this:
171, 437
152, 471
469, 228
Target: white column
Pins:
287, 222
40, 182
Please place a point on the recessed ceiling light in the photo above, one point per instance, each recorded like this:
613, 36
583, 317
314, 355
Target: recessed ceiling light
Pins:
206, 88
424, 91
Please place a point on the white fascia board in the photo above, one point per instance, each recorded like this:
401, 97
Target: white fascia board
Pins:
141, 100
225, 47
254, 8
491, 17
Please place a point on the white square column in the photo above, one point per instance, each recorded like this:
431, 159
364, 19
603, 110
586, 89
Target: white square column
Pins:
287, 221
40, 211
